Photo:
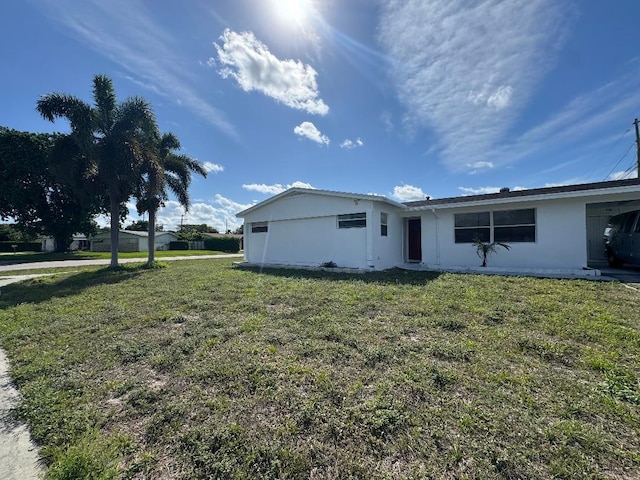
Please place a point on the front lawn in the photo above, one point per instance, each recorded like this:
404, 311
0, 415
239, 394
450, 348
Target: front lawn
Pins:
199, 370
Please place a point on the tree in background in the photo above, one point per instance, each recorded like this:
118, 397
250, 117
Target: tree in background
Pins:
165, 170
106, 147
34, 192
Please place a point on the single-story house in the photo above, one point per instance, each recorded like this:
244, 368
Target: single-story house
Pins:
132, 241
79, 242
546, 228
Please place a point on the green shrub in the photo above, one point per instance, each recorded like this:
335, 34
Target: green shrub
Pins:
223, 244
179, 245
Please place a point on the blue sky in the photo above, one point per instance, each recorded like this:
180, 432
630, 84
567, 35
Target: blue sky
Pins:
402, 98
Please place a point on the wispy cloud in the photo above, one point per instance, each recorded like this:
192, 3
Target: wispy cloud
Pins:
479, 167
275, 188
124, 31
309, 130
408, 193
349, 144
212, 167
247, 60
466, 71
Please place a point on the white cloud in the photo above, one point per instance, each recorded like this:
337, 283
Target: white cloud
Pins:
220, 214
408, 193
254, 67
479, 167
309, 130
467, 70
621, 175
123, 31
276, 188
352, 143
212, 167
478, 190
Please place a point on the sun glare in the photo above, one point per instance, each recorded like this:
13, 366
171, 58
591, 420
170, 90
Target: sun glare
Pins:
296, 13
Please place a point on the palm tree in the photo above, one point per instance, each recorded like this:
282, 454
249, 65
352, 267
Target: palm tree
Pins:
484, 249
165, 170
106, 145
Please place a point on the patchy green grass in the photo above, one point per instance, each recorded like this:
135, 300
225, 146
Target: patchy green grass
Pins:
198, 370
29, 257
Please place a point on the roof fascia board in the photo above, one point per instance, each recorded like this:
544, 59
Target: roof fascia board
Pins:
529, 198
328, 193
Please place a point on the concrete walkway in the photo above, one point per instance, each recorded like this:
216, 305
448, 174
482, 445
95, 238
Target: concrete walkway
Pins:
19, 458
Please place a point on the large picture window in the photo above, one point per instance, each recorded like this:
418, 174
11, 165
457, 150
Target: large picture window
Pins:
499, 226
514, 225
352, 220
472, 226
259, 227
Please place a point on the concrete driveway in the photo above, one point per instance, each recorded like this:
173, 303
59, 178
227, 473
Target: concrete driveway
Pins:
630, 274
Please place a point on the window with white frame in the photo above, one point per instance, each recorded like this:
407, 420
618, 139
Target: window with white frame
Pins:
352, 220
383, 224
509, 226
259, 227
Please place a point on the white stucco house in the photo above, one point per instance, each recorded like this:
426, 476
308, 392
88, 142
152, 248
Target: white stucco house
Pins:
132, 241
555, 228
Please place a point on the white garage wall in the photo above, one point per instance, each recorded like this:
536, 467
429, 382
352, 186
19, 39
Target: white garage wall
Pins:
308, 242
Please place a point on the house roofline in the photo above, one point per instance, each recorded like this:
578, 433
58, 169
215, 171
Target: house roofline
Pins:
313, 191
545, 193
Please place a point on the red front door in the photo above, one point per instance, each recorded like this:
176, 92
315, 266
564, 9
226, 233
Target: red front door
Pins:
414, 234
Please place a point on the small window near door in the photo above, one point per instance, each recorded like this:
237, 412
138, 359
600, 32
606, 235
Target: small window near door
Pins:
383, 224
352, 220
259, 227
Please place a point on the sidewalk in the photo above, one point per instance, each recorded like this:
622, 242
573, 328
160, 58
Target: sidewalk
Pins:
19, 458
84, 263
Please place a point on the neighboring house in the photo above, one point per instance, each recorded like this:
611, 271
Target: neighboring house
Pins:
546, 228
132, 241
80, 242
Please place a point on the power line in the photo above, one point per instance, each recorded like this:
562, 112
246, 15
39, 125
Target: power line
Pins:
621, 158
613, 147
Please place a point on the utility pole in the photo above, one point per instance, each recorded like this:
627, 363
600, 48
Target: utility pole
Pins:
635, 123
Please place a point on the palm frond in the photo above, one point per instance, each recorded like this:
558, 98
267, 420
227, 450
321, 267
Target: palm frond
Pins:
104, 97
58, 105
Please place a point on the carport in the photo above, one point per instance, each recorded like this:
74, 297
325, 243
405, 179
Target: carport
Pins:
598, 215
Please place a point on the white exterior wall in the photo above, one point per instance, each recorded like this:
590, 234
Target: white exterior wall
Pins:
303, 230
561, 238
386, 251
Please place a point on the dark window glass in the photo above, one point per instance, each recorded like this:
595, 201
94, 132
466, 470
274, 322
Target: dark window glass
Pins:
480, 219
628, 223
468, 235
638, 224
525, 233
261, 227
515, 217
352, 220
383, 224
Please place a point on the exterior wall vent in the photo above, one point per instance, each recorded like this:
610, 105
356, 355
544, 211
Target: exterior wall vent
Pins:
504, 190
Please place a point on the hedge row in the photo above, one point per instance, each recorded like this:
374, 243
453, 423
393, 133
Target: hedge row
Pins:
179, 245
223, 244
20, 246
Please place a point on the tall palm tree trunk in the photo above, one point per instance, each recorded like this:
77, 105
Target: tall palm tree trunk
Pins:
114, 207
152, 236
